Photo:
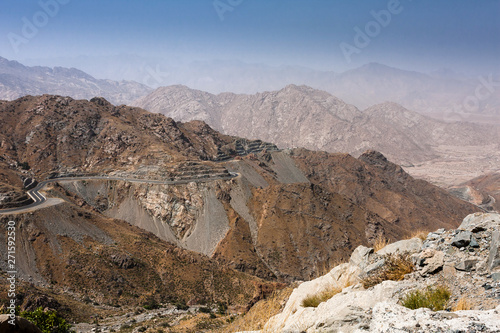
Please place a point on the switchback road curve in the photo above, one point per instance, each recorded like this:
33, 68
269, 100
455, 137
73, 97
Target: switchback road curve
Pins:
39, 198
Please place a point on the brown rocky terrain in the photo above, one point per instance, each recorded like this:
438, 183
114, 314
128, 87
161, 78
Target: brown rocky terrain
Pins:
76, 257
288, 215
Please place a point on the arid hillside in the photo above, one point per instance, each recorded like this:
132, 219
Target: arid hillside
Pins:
300, 116
241, 211
277, 219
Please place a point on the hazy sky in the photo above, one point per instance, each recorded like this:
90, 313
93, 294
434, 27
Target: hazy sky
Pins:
322, 34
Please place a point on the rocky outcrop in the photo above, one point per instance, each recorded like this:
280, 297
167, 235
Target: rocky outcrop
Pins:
466, 271
391, 317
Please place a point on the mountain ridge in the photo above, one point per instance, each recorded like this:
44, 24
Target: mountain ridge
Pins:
306, 117
17, 80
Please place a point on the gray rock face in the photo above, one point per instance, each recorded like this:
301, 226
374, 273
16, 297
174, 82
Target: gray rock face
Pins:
480, 221
494, 257
373, 267
462, 239
408, 245
467, 265
433, 263
390, 317
473, 243
360, 256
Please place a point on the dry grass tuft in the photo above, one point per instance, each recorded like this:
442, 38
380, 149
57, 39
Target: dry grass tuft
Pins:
325, 295
434, 298
325, 268
260, 313
315, 300
420, 233
380, 243
463, 304
396, 266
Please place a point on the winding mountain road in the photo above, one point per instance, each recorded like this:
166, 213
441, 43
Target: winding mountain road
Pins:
39, 199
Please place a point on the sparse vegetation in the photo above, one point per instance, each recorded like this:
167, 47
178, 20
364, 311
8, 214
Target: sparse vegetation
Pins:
208, 324
380, 243
222, 308
47, 321
260, 313
395, 268
325, 295
181, 305
317, 299
434, 298
420, 233
205, 309
463, 304
151, 304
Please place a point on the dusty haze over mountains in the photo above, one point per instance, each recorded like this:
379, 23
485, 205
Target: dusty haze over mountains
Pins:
299, 116
442, 94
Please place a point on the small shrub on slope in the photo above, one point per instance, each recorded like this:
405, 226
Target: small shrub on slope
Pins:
47, 321
434, 298
396, 266
315, 300
463, 304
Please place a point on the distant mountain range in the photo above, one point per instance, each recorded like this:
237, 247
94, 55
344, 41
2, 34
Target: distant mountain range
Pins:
300, 116
17, 80
443, 94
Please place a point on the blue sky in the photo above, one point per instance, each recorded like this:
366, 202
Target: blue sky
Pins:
423, 35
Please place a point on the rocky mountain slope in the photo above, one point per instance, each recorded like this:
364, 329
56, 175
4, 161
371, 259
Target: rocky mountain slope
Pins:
312, 198
17, 80
299, 116
464, 262
287, 215
483, 191
77, 262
